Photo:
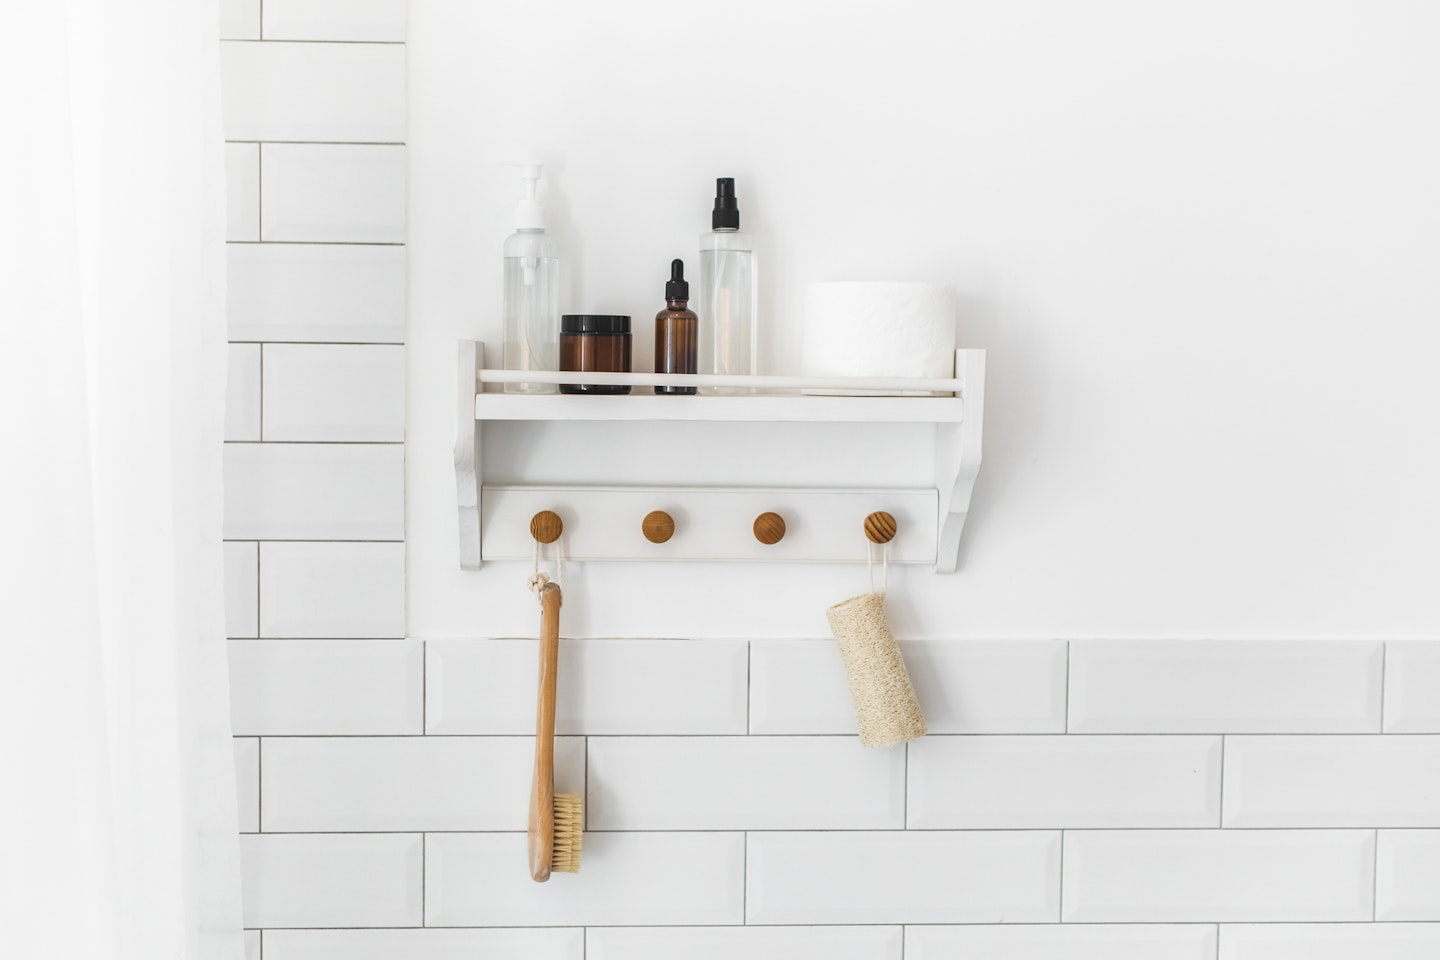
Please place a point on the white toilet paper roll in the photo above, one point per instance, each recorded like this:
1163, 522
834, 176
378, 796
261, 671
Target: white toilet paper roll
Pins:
864, 329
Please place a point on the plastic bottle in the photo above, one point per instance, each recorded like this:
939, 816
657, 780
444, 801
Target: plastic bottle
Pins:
727, 293
676, 332
530, 305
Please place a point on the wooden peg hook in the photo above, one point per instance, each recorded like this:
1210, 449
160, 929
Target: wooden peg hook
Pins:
546, 526
880, 527
769, 528
658, 526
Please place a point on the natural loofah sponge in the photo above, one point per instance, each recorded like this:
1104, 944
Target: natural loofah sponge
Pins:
885, 706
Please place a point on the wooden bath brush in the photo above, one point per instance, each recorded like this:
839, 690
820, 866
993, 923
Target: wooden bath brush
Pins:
556, 820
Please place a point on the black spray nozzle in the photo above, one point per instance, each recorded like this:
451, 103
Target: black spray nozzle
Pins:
726, 213
677, 288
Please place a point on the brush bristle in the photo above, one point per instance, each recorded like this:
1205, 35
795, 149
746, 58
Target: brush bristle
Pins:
569, 829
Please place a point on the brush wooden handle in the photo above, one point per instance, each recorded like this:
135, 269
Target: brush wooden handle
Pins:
542, 787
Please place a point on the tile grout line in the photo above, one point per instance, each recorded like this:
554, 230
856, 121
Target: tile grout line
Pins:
745, 880
262, 393
1223, 738
259, 193
1060, 906
1384, 666
259, 784
1067, 685
1375, 874
424, 845
749, 661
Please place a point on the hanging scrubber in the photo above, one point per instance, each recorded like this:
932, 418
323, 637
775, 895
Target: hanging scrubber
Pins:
556, 819
886, 710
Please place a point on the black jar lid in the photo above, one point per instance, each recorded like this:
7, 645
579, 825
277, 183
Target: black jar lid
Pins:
594, 323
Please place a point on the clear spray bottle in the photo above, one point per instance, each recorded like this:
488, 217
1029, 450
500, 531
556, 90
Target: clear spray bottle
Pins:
530, 305
726, 303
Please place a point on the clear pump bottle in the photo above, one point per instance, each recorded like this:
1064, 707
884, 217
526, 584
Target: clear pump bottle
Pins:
530, 305
726, 304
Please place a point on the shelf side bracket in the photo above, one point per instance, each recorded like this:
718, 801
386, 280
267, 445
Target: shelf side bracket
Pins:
957, 459
471, 360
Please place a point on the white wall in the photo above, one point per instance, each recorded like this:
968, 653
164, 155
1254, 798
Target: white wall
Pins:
1197, 247
1198, 241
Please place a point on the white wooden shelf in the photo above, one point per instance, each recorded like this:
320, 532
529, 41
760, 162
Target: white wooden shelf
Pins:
494, 525
752, 409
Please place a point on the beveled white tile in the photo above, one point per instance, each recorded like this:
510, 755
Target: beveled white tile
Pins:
333, 193
335, 20
329, 491
1217, 876
328, 92
319, 292
330, 687
1412, 686
239, 19
334, 392
671, 879
743, 783
408, 783
242, 589
1407, 875
604, 687
242, 191
247, 782
1330, 941
332, 590
252, 944
242, 392
752, 943
1225, 686
1109, 941
557, 943
1323, 781
964, 686
1064, 782
903, 877
331, 880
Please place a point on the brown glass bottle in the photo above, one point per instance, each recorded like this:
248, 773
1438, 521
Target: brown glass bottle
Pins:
677, 333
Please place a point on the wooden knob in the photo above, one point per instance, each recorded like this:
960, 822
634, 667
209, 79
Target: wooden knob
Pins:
769, 528
546, 526
658, 526
880, 527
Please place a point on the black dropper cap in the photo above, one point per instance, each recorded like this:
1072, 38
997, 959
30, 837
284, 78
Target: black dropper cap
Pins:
726, 213
677, 288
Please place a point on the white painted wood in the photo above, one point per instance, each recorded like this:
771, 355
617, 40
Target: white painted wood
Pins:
957, 459
603, 523
640, 378
753, 409
471, 357
719, 520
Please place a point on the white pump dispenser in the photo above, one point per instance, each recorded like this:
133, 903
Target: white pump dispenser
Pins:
530, 298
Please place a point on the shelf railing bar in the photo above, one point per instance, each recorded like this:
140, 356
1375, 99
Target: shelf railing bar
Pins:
916, 384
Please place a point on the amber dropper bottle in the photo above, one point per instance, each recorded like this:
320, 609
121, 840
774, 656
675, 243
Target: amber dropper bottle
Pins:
677, 334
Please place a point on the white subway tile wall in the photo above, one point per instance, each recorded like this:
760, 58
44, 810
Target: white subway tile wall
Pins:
314, 491
326, 687
334, 392
1412, 687
331, 192
377, 20
328, 92
1165, 800
242, 392
1407, 875
1063, 941
316, 292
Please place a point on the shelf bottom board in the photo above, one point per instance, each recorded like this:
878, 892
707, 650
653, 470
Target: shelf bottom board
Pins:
711, 524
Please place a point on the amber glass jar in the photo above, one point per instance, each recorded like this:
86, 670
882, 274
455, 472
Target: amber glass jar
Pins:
594, 343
